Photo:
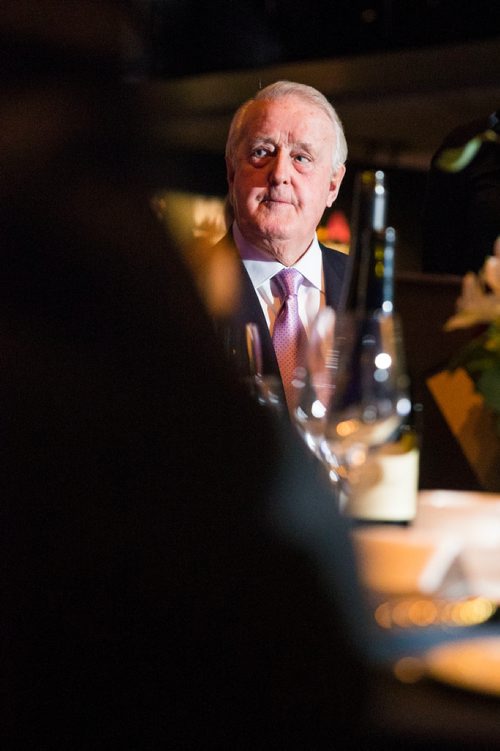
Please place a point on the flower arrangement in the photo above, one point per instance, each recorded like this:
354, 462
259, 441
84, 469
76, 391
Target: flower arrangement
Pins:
479, 305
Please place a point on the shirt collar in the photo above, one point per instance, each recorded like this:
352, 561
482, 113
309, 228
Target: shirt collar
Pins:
261, 267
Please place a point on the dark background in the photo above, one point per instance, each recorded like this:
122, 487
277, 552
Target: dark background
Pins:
187, 37
401, 74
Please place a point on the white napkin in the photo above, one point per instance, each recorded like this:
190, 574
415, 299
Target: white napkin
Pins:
452, 549
402, 561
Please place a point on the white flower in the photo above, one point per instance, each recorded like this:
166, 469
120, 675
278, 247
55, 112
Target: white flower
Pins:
491, 269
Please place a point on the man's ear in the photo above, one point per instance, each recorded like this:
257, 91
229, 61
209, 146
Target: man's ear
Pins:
335, 183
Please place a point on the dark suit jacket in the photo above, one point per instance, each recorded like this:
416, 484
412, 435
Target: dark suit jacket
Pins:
250, 309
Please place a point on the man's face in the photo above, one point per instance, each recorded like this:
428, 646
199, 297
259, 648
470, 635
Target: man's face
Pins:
282, 177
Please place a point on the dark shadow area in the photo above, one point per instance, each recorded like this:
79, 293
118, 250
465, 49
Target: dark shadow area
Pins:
189, 37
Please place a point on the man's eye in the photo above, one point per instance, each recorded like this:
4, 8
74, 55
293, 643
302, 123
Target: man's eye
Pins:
260, 152
302, 158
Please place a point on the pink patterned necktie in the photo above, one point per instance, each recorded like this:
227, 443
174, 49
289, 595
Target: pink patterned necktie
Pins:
289, 337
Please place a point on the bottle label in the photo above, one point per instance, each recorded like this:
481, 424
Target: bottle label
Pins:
387, 487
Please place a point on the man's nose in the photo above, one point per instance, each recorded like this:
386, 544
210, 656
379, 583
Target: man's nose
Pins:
280, 169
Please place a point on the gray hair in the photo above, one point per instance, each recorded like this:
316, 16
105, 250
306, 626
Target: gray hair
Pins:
282, 89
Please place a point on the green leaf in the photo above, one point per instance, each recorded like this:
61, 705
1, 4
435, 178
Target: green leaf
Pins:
454, 160
488, 384
473, 351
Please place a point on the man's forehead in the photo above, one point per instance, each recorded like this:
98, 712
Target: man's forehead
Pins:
261, 109
270, 119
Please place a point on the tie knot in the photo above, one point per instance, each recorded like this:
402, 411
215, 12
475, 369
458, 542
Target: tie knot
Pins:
288, 281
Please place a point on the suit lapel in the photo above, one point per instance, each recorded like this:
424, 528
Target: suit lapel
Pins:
250, 311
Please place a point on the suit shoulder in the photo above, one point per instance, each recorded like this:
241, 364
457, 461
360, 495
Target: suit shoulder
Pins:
333, 257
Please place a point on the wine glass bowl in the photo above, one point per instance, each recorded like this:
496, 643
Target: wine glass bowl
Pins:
370, 387
243, 350
242, 347
353, 395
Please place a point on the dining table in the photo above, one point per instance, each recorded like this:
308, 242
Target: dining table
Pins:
432, 589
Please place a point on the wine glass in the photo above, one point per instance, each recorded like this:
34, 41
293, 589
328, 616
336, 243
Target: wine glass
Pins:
354, 393
370, 391
314, 383
243, 349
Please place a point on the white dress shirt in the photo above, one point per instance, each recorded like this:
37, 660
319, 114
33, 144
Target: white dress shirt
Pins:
261, 268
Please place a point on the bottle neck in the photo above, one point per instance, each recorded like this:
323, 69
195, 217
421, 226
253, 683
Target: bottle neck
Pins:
377, 290
368, 217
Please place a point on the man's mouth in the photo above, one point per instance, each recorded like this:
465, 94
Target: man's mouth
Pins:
274, 199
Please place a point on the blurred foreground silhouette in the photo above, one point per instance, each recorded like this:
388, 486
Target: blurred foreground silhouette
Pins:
173, 573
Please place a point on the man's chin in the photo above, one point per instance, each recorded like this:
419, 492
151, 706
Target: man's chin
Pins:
277, 227
269, 230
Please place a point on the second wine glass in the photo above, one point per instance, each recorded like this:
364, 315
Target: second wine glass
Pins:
369, 399
314, 383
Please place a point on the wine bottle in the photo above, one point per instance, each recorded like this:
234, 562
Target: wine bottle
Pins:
368, 217
386, 489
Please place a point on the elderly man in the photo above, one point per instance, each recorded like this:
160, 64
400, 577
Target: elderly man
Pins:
285, 159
